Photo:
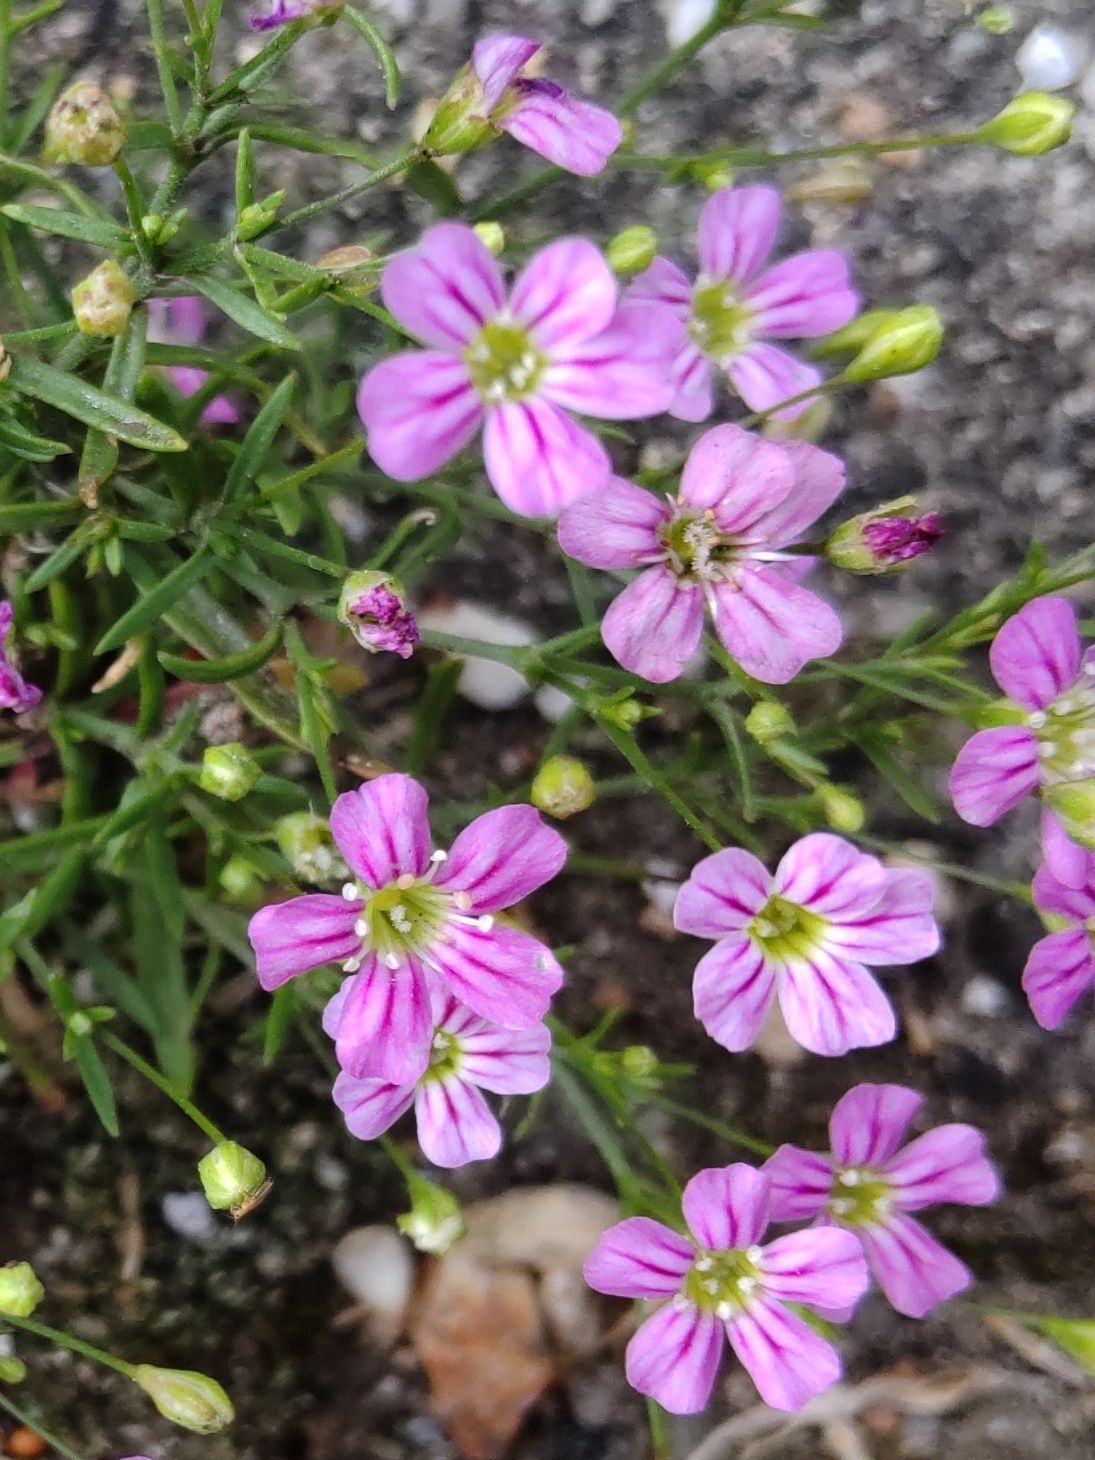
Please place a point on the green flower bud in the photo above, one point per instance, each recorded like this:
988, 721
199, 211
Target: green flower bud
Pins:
842, 810
712, 175
906, 343
103, 302
190, 1400
307, 845
852, 338
562, 787
435, 1222
229, 771
458, 125
626, 713
160, 230
1030, 124
1073, 803
491, 235
884, 540
12, 1369
632, 250
239, 879
257, 217
996, 19
20, 1290
769, 721
640, 1062
233, 1180
84, 127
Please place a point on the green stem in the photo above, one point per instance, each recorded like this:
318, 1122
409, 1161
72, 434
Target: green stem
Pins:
324, 205
135, 208
710, 1123
654, 778
350, 452
74, 1345
750, 156
31, 1422
723, 19
188, 1108
6, 33
163, 68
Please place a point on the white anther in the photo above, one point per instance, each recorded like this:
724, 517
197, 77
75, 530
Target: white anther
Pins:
1036, 719
399, 919
439, 856
680, 1303
351, 965
391, 960
484, 923
746, 1285
361, 927
724, 1311
849, 1178
350, 892
754, 1254
842, 1206
407, 879
704, 1264
462, 900
1046, 752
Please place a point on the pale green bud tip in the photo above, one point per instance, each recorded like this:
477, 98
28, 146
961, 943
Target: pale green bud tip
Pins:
435, 1222
307, 845
103, 302
842, 810
904, 344
997, 19
12, 1369
229, 771
492, 235
562, 787
639, 1061
852, 338
1073, 803
769, 721
190, 1400
632, 250
1031, 124
20, 1290
233, 1179
84, 127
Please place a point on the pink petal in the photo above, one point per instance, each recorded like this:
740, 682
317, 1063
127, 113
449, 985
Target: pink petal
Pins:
638, 1258
455, 1124
737, 229
819, 481
615, 528
419, 409
822, 1267
787, 1361
502, 857
830, 1006
497, 61
947, 1164
382, 829
831, 877
900, 928
654, 626
868, 1124
737, 475
370, 1107
1060, 969
444, 290
565, 295
800, 1183
662, 283
186, 318
385, 1023
538, 459
623, 373
807, 295
771, 626
573, 134
993, 772
674, 1356
724, 892
914, 1270
1068, 862
764, 376
506, 1061
292, 937
1036, 655
727, 1206
504, 975
1074, 900
732, 991
692, 375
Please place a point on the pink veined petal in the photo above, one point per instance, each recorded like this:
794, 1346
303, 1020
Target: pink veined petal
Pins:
771, 625
737, 230
653, 628
806, 295
674, 1356
693, 377
574, 134
506, 1061
819, 481
291, 937
1036, 655
947, 1164
444, 290
538, 459
1074, 900
501, 857
662, 283
382, 829
764, 375
419, 409
993, 772
455, 1123
868, 1124
638, 1258
822, 1267
737, 475
727, 1206
830, 876
497, 61
831, 1006
565, 295
900, 928
787, 1361
1068, 862
732, 990
800, 1182
914, 1270
615, 528
724, 892
623, 373
370, 1107
385, 1026
1060, 969
504, 975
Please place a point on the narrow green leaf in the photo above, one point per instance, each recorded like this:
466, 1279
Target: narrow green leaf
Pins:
381, 50
92, 406
148, 609
256, 444
245, 172
230, 666
73, 547
69, 225
27, 444
100, 453
281, 1014
244, 311
911, 791
26, 516
96, 1082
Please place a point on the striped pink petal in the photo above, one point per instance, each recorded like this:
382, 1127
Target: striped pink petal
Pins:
574, 134
771, 625
674, 1356
822, 1267
382, 829
1036, 655
831, 1006
946, 1164
993, 772
868, 1124
806, 295
614, 528
446, 288
765, 376
727, 1206
455, 1123
501, 857
737, 231
724, 892
639, 1258
565, 295
292, 937
1059, 971
914, 1270
497, 61
419, 409
654, 626
800, 1182
787, 1361
539, 460
732, 991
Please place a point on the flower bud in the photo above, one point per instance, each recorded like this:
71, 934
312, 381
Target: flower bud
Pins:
626, 713
435, 1222
713, 175
84, 127
854, 335
229, 771
769, 721
372, 607
233, 1180
190, 1400
20, 1290
1073, 803
996, 19
1030, 124
239, 879
307, 845
12, 1369
632, 250
904, 344
562, 787
256, 218
640, 1062
459, 124
842, 810
885, 539
103, 302
491, 235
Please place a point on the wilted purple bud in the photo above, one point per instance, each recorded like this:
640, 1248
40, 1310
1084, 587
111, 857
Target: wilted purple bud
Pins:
373, 608
281, 12
900, 538
884, 539
15, 693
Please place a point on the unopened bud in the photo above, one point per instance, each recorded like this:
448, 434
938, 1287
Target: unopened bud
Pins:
373, 608
12, 1369
853, 336
885, 539
84, 126
229, 771
625, 714
996, 19
20, 1290
103, 302
842, 810
1073, 803
307, 845
904, 344
435, 1222
239, 879
769, 721
640, 1062
1030, 124
190, 1400
233, 1179
491, 235
713, 175
632, 250
562, 787
258, 217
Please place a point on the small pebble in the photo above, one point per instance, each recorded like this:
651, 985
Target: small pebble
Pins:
984, 997
376, 1267
1050, 59
189, 1215
485, 682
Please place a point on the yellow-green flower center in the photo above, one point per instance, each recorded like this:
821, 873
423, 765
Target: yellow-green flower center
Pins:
720, 324
1065, 731
445, 1057
692, 544
859, 1197
723, 1283
407, 916
787, 931
503, 363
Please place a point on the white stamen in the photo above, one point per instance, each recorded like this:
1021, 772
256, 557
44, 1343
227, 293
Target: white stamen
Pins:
724, 1311
439, 856
754, 1254
462, 900
1036, 719
406, 880
704, 1264
484, 923
351, 965
849, 1178
391, 960
361, 927
350, 892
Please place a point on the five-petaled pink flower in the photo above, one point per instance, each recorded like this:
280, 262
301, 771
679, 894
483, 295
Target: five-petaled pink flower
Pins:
1061, 966
415, 920
721, 1283
514, 366
182, 321
870, 1185
15, 693
721, 542
467, 1055
736, 306
807, 936
1038, 661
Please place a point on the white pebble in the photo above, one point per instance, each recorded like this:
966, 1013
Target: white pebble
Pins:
485, 682
984, 997
1050, 59
190, 1215
376, 1267
683, 18
552, 702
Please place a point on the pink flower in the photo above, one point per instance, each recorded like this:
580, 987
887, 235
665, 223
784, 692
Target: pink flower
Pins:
1061, 966
742, 501
182, 321
1038, 661
720, 1281
737, 305
514, 365
807, 936
467, 1055
15, 693
413, 921
870, 1186
896, 540
373, 608
281, 12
